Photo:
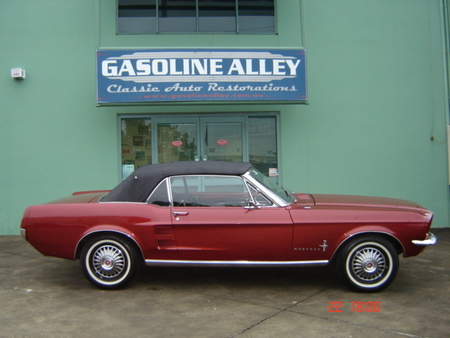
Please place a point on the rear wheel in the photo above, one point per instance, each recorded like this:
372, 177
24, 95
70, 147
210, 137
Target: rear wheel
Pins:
109, 262
368, 264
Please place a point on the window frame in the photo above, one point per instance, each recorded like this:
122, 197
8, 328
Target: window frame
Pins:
156, 118
197, 32
203, 180
249, 183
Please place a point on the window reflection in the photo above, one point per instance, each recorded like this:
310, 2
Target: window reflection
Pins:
177, 142
177, 16
256, 16
136, 144
136, 17
262, 144
217, 16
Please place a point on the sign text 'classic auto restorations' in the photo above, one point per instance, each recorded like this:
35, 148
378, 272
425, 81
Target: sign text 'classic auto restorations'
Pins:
136, 76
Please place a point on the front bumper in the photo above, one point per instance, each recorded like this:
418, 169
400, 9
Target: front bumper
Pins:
431, 239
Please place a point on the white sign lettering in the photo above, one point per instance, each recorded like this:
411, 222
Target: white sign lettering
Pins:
261, 67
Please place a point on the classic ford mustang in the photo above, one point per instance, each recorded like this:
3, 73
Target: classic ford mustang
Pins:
225, 214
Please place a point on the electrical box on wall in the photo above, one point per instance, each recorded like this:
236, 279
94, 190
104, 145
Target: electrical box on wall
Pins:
18, 73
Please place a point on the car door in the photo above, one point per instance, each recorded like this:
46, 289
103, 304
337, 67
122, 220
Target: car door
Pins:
211, 223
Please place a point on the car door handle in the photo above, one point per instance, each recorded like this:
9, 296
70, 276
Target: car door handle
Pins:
180, 213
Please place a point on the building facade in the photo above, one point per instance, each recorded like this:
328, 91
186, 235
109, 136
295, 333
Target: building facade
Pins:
341, 97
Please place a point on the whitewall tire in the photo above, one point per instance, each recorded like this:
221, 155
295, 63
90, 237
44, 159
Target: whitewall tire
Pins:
109, 262
368, 264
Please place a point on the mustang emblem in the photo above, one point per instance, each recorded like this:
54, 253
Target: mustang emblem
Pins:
324, 245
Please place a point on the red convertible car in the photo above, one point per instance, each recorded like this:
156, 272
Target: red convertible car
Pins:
225, 214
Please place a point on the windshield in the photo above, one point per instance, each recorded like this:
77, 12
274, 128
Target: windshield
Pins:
268, 183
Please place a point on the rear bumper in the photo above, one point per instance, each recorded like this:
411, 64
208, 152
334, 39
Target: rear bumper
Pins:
23, 233
429, 240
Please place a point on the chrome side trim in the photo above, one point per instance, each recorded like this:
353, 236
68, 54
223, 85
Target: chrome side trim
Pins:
161, 262
431, 239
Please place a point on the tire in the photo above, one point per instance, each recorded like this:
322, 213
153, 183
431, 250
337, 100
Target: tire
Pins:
109, 262
368, 264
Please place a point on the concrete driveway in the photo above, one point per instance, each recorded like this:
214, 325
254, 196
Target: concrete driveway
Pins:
49, 297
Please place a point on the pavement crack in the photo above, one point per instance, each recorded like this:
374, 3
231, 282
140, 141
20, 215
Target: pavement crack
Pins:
257, 323
277, 313
365, 326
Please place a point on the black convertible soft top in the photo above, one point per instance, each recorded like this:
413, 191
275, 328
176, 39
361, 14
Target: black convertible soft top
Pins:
138, 186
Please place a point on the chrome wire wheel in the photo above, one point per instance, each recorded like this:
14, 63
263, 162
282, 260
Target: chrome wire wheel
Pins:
109, 262
368, 264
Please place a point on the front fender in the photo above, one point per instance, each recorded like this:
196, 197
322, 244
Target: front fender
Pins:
365, 230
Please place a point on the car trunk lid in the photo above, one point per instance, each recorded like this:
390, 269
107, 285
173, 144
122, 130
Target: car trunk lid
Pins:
81, 197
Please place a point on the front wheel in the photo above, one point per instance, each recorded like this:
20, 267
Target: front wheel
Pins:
368, 264
109, 262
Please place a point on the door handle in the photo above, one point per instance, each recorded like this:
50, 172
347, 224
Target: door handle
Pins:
180, 213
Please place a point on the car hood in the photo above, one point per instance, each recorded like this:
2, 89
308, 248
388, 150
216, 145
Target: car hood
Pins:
81, 197
354, 201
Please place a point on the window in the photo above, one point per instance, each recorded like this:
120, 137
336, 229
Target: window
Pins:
209, 191
258, 197
161, 138
262, 143
160, 196
136, 146
196, 16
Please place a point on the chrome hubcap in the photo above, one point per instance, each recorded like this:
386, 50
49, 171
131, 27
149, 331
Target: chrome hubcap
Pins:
368, 264
108, 261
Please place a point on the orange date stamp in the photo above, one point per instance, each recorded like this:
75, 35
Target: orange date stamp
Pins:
356, 306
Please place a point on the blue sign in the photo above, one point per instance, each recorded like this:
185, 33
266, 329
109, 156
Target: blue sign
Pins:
199, 75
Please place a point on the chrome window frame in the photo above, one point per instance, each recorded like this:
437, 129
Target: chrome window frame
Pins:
169, 186
250, 186
266, 191
247, 180
169, 192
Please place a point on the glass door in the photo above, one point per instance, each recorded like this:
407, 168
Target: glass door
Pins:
136, 144
262, 144
177, 139
200, 139
223, 139
157, 139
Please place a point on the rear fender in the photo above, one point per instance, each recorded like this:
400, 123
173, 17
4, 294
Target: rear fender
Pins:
104, 229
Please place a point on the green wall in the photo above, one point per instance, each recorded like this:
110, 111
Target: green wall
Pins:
53, 139
376, 99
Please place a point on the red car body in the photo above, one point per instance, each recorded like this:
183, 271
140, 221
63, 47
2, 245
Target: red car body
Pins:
305, 230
